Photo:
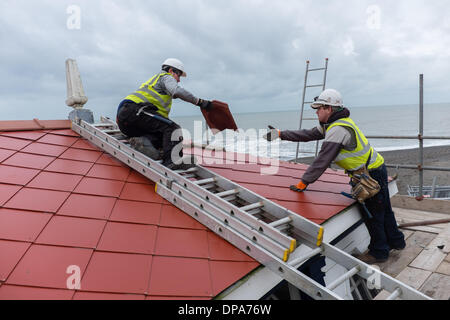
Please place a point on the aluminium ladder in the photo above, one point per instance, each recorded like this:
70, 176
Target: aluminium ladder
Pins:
271, 234
305, 87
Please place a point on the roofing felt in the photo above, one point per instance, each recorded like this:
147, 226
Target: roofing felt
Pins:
65, 203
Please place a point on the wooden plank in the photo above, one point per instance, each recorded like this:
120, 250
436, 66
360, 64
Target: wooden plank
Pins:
413, 277
399, 260
437, 286
432, 256
419, 214
406, 215
444, 267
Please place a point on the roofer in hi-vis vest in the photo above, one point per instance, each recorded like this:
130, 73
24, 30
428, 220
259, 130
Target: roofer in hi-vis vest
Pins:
144, 115
346, 145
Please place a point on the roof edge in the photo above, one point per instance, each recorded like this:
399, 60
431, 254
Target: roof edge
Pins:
35, 124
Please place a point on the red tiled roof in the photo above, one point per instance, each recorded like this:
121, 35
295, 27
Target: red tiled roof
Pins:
63, 202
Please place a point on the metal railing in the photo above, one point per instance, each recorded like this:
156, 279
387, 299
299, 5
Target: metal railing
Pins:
421, 137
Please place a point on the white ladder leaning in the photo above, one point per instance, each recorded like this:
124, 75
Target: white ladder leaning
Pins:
264, 230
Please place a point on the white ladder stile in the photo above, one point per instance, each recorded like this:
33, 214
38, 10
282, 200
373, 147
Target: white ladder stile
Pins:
240, 216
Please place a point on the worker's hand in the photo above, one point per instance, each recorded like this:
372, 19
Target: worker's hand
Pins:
204, 104
299, 187
272, 134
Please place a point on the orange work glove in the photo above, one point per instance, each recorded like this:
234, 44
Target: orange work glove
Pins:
299, 187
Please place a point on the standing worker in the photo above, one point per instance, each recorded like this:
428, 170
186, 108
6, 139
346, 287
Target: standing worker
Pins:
144, 115
346, 145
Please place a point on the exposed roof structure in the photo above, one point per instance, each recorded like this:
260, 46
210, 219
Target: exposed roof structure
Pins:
65, 203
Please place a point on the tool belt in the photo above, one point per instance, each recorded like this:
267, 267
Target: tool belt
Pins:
363, 185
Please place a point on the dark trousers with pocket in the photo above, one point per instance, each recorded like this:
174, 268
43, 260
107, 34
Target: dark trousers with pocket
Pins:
383, 230
161, 134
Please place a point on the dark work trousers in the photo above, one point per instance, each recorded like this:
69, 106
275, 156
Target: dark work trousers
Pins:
383, 230
159, 132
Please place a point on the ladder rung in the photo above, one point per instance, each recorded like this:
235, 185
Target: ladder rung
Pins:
205, 181
316, 69
300, 260
314, 86
188, 176
343, 278
394, 295
230, 198
208, 186
280, 222
254, 211
190, 170
98, 125
227, 193
252, 206
112, 131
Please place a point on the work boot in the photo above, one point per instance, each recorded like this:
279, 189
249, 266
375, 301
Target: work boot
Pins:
144, 145
184, 163
370, 259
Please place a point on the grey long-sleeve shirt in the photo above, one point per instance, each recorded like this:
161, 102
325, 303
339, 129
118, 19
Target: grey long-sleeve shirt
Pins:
168, 85
336, 138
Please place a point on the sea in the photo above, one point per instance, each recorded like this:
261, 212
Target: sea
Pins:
398, 120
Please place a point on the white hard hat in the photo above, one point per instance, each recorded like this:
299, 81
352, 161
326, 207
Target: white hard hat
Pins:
175, 63
328, 97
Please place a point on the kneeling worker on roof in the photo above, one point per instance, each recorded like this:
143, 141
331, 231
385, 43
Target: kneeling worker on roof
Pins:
347, 146
144, 115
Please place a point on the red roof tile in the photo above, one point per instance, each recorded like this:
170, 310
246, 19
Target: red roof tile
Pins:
35, 124
136, 212
140, 192
58, 140
81, 155
6, 192
13, 143
118, 273
8, 292
187, 277
10, 254
55, 181
37, 200
16, 175
69, 166
182, 243
173, 217
72, 232
106, 296
46, 266
22, 225
222, 277
27, 135
109, 172
87, 206
44, 149
27, 160
139, 238
5, 154
79, 206
100, 187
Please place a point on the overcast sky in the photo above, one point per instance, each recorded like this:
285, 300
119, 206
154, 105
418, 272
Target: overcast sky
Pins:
249, 53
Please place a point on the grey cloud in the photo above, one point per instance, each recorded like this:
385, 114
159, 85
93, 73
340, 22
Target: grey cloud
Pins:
249, 53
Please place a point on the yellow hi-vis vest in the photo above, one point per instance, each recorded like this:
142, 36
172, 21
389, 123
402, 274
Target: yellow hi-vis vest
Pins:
147, 93
357, 158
